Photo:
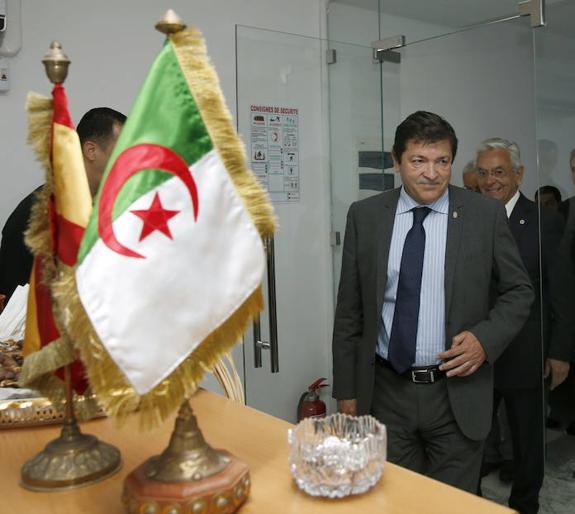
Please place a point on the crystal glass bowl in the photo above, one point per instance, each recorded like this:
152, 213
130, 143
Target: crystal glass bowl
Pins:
337, 455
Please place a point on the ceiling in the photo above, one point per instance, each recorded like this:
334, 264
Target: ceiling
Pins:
451, 13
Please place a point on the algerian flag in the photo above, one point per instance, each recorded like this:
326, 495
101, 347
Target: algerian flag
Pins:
171, 263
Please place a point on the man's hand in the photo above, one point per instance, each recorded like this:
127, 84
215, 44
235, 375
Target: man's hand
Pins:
558, 370
464, 357
347, 407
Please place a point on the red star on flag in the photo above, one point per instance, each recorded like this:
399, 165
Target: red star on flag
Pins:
155, 218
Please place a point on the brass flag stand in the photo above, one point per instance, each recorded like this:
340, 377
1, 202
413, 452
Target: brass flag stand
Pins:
73, 459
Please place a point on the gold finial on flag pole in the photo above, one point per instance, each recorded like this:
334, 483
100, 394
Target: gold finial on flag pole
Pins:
56, 63
73, 459
170, 23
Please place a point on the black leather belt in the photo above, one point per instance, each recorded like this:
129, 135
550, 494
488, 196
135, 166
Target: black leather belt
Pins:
417, 374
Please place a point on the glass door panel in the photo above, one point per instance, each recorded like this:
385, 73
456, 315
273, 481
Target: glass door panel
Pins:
282, 80
555, 93
359, 168
466, 77
481, 81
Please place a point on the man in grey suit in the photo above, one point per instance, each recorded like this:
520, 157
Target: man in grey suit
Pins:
432, 290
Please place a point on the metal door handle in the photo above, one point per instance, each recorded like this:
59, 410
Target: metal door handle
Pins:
264, 345
272, 305
257, 342
259, 345
272, 345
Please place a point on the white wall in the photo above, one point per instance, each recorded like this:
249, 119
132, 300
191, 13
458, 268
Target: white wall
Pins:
111, 45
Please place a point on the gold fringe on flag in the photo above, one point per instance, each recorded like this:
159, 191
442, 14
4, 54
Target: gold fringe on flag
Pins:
37, 236
191, 52
40, 364
39, 110
114, 392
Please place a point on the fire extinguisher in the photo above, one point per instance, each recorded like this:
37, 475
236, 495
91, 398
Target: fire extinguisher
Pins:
309, 405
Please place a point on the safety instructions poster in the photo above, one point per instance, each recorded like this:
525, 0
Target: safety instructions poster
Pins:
274, 151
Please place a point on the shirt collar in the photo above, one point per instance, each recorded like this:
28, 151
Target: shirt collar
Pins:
406, 203
510, 205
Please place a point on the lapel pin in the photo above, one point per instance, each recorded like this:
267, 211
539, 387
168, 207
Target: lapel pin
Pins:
455, 214
522, 222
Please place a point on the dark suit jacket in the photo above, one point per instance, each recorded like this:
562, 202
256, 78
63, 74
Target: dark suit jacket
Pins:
566, 265
480, 251
547, 329
15, 257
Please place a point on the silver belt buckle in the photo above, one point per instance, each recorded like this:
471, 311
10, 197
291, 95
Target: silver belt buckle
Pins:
428, 374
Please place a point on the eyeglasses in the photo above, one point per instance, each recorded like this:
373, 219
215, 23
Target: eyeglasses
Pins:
497, 173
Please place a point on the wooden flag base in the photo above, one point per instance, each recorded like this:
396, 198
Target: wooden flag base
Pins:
189, 477
222, 493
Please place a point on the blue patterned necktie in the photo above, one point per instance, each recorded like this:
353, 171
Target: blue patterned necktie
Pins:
403, 337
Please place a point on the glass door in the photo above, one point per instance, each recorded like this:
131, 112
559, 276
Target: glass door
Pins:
284, 120
511, 81
360, 162
555, 93
481, 81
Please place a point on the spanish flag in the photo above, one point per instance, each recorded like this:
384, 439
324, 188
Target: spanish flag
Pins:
59, 217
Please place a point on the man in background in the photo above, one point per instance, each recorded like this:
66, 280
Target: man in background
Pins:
470, 177
549, 197
98, 131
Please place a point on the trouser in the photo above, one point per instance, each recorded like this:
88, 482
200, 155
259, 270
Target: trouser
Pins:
422, 433
525, 413
498, 445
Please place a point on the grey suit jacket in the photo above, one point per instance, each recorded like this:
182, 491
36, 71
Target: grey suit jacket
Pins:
481, 255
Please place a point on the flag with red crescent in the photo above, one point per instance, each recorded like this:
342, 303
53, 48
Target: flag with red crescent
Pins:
59, 217
170, 266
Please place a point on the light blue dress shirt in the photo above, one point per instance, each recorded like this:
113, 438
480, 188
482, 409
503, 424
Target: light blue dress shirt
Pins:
431, 321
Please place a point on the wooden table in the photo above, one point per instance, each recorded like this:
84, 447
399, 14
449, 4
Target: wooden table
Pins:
258, 439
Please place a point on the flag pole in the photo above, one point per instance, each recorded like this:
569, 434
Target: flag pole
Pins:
189, 473
73, 459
